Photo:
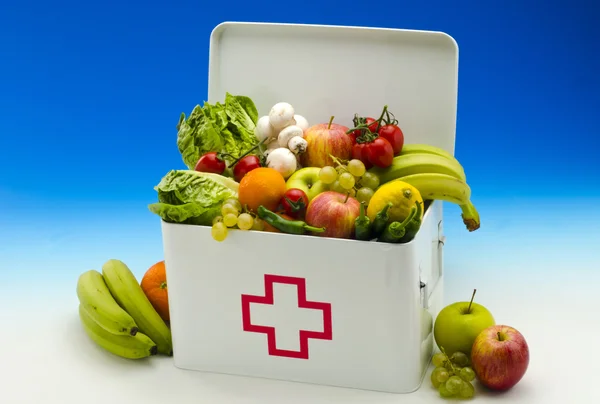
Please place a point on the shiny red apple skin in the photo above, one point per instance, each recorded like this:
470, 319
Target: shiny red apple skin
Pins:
331, 210
324, 140
500, 357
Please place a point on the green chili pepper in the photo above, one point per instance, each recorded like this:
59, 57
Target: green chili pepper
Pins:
413, 227
380, 221
284, 225
362, 225
394, 232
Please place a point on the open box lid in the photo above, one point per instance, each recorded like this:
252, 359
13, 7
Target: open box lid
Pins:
335, 70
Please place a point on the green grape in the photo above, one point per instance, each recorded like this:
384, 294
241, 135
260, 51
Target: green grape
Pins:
439, 358
258, 225
460, 359
337, 187
245, 221
328, 175
346, 181
356, 168
467, 390
228, 208
457, 370
454, 384
467, 374
219, 231
434, 380
369, 180
217, 219
235, 203
441, 374
364, 195
444, 392
230, 219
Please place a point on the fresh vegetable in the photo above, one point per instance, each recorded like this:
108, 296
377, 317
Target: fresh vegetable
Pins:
373, 151
282, 160
211, 162
288, 133
362, 225
244, 166
294, 202
285, 225
263, 129
227, 128
281, 115
395, 231
413, 226
297, 145
301, 122
381, 219
192, 197
393, 134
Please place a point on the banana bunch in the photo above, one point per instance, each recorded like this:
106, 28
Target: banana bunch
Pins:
117, 315
436, 174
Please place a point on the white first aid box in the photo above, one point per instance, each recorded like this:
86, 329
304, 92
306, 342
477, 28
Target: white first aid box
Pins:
320, 310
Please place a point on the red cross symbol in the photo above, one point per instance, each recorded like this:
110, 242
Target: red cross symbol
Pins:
304, 335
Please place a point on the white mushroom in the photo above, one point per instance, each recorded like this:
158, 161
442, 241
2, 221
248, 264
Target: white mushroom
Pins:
283, 161
301, 122
287, 134
297, 145
263, 129
281, 115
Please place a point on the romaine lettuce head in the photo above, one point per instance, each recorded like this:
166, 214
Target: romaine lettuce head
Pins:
192, 197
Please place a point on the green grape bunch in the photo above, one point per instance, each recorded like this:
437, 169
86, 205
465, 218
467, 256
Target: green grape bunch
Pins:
453, 376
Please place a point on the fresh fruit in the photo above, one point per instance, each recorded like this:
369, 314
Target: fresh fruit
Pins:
245, 221
154, 285
294, 202
258, 225
328, 175
128, 293
346, 181
394, 135
411, 148
244, 166
235, 203
219, 231
450, 379
136, 346
356, 168
446, 188
467, 374
229, 209
365, 194
307, 179
95, 297
458, 324
370, 180
334, 211
230, 219
261, 186
326, 140
419, 163
373, 150
401, 195
210, 162
500, 357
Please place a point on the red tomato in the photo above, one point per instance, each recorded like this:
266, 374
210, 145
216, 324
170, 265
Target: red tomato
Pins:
210, 163
244, 166
372, 122
380, 152
359, 152
394, 135
294, 202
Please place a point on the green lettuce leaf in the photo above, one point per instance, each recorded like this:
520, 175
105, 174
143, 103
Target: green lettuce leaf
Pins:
226, 128
192, 197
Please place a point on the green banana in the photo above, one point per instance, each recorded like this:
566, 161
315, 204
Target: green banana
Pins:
434, 186
95, 297
127, 292
425, 148
418, 163
136, 346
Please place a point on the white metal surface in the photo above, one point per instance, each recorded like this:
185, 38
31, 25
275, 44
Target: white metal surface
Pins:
382, 297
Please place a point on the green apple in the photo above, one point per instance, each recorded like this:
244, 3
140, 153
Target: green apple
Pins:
307, 179
458, 324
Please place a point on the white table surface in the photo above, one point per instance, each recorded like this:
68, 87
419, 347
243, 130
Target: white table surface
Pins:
546, 287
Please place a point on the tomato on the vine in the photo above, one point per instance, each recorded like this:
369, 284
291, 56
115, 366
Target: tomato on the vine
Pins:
380, 152
359, 152
370, 122
244, 166
394, 135
210, 163
294, 202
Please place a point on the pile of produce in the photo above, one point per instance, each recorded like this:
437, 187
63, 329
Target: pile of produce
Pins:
276, 172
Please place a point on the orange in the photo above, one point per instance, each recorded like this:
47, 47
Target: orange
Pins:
154, 285
261, 186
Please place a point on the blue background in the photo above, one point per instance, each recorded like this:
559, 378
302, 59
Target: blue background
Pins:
90, 94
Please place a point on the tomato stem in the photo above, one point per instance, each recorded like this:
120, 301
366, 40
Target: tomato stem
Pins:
247, 152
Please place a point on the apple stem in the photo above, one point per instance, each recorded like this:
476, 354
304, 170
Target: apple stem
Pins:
500, 337
330, 122
471, 302
347, 196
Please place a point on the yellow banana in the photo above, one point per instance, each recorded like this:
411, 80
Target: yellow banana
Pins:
419, 163
136, 346
127, 292
95, 297
412, 148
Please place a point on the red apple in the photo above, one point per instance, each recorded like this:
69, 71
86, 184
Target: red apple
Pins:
500, 357
334, 211
325, 139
